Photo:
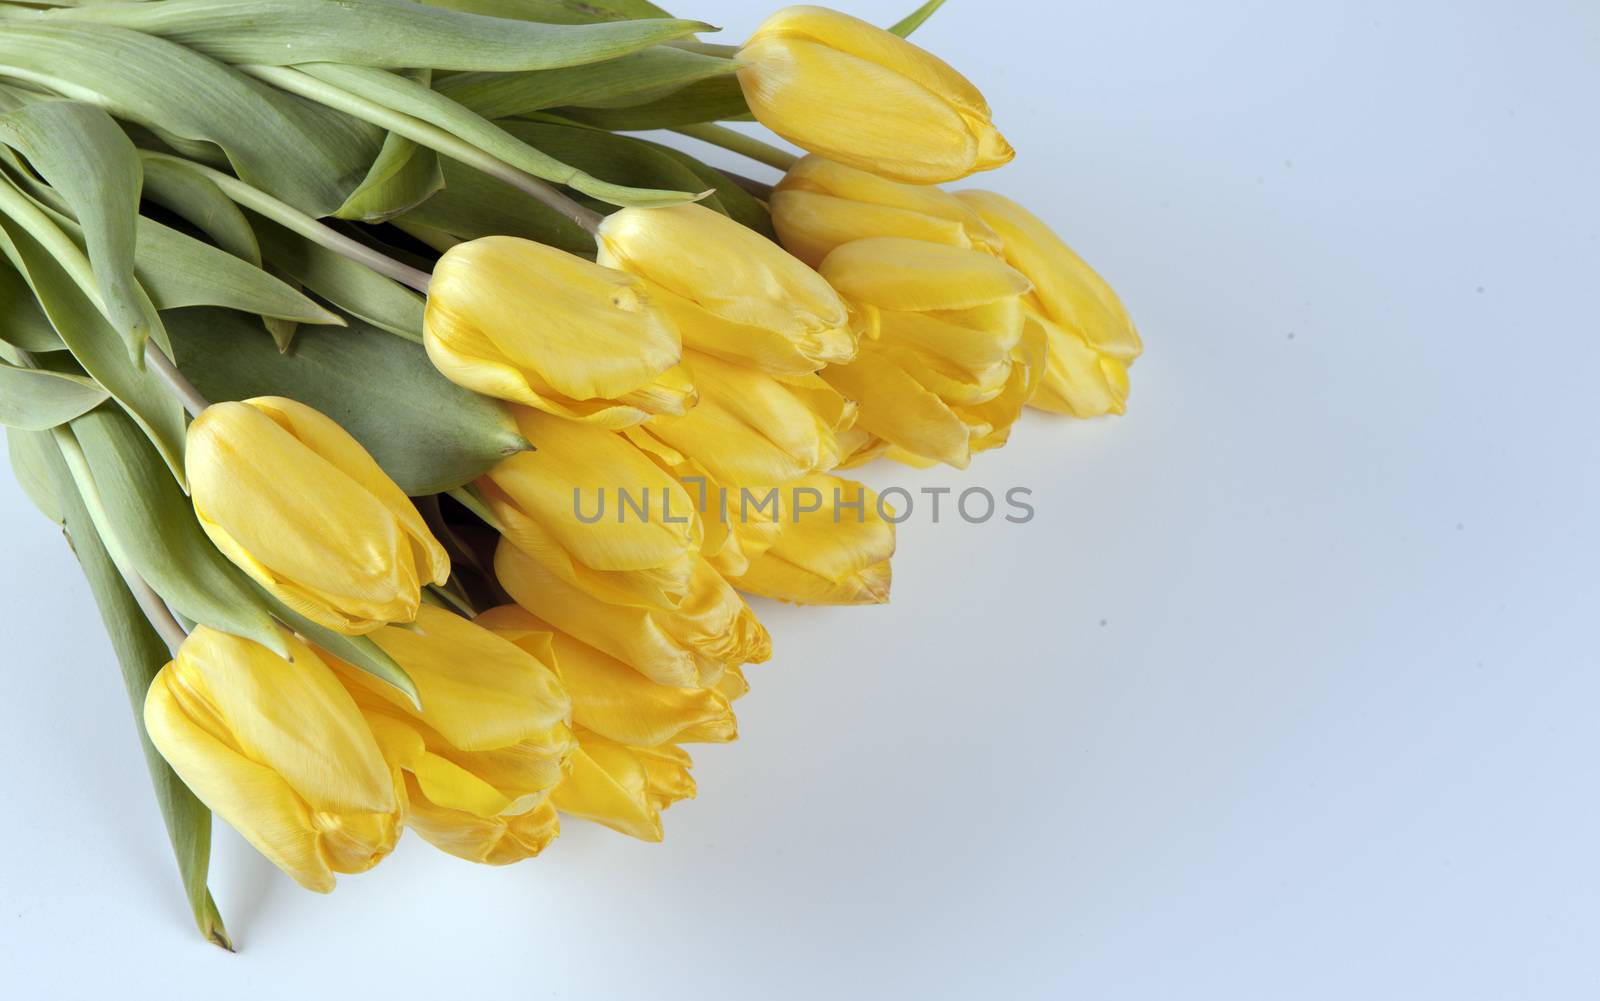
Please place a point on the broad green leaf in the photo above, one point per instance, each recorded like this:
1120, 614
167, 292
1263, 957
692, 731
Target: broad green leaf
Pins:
33, 455
193, 196
179, 271
35, 399
474, 204
713, 100
406, 97
304, 154
93, 166
95, 345
635, 78
557, 11
403, 175
427, 433
912, 21
373, 33
357, 651
22, 323
141, 654
151, 525
349, 285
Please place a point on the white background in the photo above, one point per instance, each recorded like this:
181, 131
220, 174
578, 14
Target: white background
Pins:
1289, 691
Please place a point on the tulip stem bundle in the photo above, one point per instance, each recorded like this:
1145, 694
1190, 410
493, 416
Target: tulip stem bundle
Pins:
406, 408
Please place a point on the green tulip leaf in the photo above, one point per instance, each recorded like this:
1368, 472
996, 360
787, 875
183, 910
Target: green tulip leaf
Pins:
714, 100
152, 526
196, 199
141, 654
33, 399
302, 153
557, 11
349, 285
357, 651
912, 21
473, 204
95, 344
356, 87
370, 33
33, 457
22, 323
95, 169
427, 433
631, 79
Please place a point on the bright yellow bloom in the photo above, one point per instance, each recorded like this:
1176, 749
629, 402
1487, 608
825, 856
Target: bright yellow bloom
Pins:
852, 92
300, 506
624, 787
563, 504
752, 428
528, 323
613, 700
279, 750
732, 292
489, 743
833, 546
1091, 340
689, 646
944, 367
820, 205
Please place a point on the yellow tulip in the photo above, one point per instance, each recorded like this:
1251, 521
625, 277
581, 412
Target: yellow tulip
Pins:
752, 428
613, 700
689, 646
944, 366
564, 506
732, 292
489, 840
524, 322
852, 92
833, 547
489, 743
299, 505
1091, 341
279, 750
624, 787
820, 205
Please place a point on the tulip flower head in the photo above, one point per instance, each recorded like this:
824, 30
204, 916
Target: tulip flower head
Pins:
524, 322
279, 750
833, 547
487, 745
732, 292
820, 205
296, 502
946, 362
1089, 337
554, 503
852, 92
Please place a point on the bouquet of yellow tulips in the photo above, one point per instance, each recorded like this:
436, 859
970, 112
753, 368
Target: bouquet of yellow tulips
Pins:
419, 429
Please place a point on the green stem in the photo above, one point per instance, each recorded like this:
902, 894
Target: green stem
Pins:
291, 218
156, 361
738, 142
424, 134
472, 502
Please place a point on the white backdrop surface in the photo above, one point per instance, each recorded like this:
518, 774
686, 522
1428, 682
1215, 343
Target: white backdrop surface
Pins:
1288, 691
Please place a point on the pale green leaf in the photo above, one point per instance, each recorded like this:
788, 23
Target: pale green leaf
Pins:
349, 285
22, 323
427, 433
33, 455
152, 526
373, 33
637, 78
192, 196
912, 21
35, 399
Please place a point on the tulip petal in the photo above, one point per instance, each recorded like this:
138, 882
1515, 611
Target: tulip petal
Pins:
896, 273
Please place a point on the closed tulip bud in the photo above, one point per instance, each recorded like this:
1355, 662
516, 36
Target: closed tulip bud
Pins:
754, 429
489, 742
524, 322
820, 205
944, 359
613, 700
833, 547
1089, 337
299, 505
623, 787
689, 646
279, 750
488, 840
852, 92
563, 505
732, 292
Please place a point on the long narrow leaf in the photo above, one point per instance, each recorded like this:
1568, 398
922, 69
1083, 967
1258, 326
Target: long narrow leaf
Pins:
141, 654
34, 399
351, 286
640, 77
374, 33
